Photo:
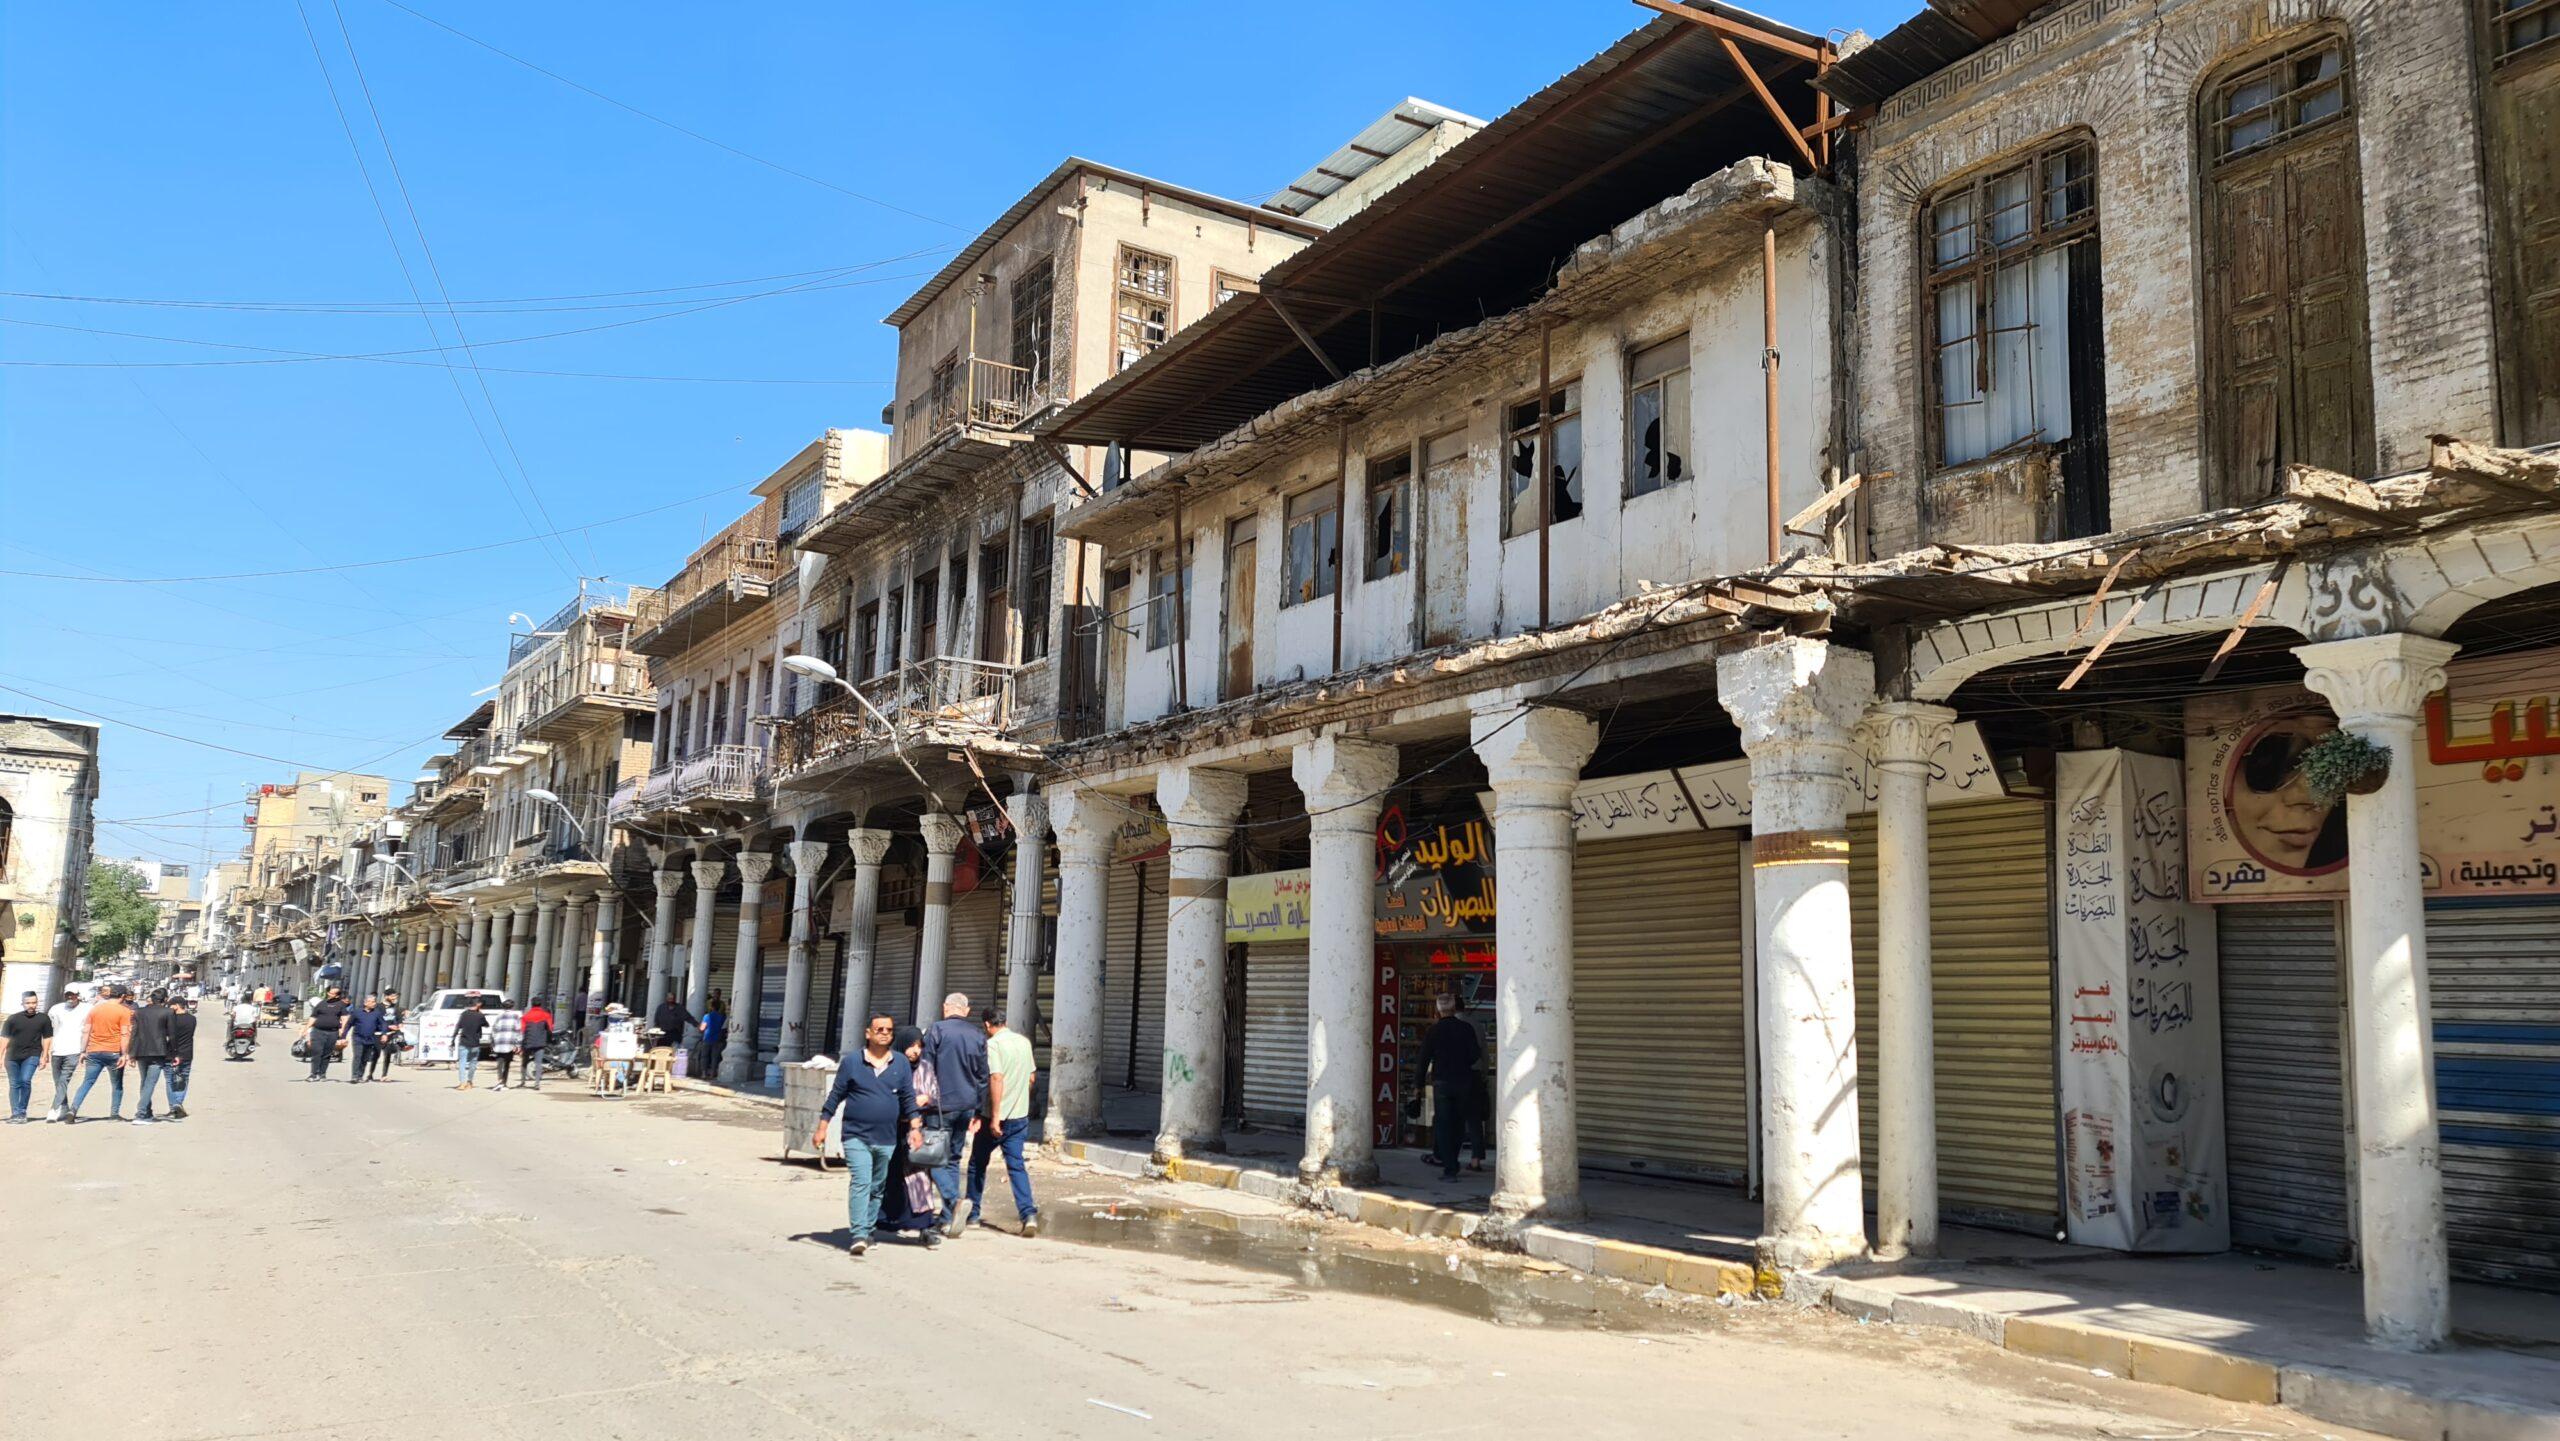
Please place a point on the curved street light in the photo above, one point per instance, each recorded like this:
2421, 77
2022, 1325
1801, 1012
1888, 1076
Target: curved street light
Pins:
817, 669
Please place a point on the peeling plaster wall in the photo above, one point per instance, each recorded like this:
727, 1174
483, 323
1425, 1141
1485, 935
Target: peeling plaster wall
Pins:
48, 777
1712, 524
1200, 241
2131, 74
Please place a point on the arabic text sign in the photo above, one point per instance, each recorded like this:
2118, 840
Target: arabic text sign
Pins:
1658, 803
1271, 906
1437, 879
2487, 769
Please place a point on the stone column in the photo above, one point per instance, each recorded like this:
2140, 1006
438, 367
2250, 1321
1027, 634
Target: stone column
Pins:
1029, 813
457, 957
439, 953
738, 1064
862, 946
1201, 806
1797, 702
1085, 825
566, 980
519, 950
2377, 685
1345, 783
546, 930
1906, 736
1532, 756
662, 941
608, 916
482, 922
707, 876
933, 941
807, 858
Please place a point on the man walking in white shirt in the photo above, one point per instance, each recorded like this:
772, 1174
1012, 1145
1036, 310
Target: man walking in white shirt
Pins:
70, 1038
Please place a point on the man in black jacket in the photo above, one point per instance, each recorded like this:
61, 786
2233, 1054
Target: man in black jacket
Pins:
1449, 1052
469, 1030
182, 1055
149, 1048
672, 1021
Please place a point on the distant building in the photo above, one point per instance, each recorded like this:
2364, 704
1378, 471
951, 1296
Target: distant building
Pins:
48, 784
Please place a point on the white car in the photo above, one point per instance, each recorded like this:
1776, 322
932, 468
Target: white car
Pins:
431, 1024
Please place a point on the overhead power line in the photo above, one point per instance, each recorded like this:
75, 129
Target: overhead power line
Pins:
403, 307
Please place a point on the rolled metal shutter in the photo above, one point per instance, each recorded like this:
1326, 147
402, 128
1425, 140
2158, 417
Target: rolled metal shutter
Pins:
826, 989
893, 968
1133, 979
1119, 973
2283, 1079
2494, 982
724, 952
1275, 1034
1991, 974
1658, 1006
977, 948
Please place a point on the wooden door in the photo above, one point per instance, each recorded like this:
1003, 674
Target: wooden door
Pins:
2522, 133
1236, 629
2293, 382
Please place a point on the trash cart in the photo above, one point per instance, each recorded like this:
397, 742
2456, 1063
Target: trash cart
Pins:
804, 1094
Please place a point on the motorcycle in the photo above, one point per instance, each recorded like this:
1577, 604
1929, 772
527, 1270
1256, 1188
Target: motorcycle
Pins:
243, 1041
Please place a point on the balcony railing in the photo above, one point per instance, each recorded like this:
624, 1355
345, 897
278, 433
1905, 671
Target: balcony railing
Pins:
726, 774
581, 672
988, 394
943, 691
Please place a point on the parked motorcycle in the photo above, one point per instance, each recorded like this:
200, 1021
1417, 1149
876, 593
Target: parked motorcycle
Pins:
243, 1041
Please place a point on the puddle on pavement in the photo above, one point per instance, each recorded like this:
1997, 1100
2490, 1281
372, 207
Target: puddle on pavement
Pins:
1311, 1255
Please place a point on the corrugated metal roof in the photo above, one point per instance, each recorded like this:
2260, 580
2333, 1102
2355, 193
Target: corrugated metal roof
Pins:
1409, 121
967, 260
1477, 232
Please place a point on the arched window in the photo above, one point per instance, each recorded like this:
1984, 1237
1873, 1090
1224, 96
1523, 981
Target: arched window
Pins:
2288, 367
2520, 134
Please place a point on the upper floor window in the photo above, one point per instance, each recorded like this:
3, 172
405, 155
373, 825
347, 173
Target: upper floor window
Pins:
1312, 548
1525, 434
1039, 559
1658, 416
2520, 25
800, 505
945, 395
928, 614
995, 602
1164, 587
1034, 298
1144, 313
2002, 303
831, 643
2520, 104
1224, 287
1389, 492
866, 634
2288, 373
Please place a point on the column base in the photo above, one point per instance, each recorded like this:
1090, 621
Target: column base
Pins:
1170, 1148
1324, 1176
1806, 1253
1508, 1215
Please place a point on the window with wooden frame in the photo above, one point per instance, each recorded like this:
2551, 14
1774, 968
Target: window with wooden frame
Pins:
944, 397
1658, 416
1039, 564
1164, 586
1388, 495
2288, 371
1525, 467
684, 730
866, 655
927, 609
893, 630
1311, 549
995, 603
1034, 321
1143, 312
2520, 144
1224, 287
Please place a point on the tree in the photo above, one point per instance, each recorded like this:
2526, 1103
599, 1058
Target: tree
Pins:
121, 915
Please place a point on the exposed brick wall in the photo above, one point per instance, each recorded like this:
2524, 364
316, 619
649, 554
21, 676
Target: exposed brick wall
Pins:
2130, 73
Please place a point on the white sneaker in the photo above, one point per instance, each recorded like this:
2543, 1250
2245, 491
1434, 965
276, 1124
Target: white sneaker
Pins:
54, 1115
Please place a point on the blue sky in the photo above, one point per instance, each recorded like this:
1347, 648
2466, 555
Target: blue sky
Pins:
164, 152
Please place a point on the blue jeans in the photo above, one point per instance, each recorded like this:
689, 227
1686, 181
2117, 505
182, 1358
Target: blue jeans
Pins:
946, 1177
179, 1071
866, 1177
1013, 1133
22, 1084
102, 1061
153, 1072
466, 1063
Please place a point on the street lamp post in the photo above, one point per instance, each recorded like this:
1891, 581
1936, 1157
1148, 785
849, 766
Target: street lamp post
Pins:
817, 669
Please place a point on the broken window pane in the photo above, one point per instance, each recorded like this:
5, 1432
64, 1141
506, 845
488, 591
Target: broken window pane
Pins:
2273, 100
1658, 417
1312, 549
1034, 294
1145, 311
1390, 495
1563, 473
1162, 587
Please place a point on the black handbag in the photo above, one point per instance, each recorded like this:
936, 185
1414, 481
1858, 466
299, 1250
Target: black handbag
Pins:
934, 1150
302, 1048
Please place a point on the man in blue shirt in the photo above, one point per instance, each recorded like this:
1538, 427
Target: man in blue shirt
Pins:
878, 1094
366, 1028
956, 1048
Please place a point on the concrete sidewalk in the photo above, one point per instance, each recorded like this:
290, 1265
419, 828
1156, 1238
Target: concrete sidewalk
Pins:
2243, 1327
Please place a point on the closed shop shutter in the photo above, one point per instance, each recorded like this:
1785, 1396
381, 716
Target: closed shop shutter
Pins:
724, 952
2284, 1095
1991, 972
893, 968
1133, 979
977, 948
1119, 974
2494, 978
1275, 1034
1658, 1005
826, 989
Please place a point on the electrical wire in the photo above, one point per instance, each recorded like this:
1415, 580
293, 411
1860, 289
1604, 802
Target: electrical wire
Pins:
526, 304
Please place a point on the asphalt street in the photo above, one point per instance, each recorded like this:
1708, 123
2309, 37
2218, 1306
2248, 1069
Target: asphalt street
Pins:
401, 1260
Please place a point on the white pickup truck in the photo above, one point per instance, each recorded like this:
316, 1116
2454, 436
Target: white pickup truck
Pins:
431, 1025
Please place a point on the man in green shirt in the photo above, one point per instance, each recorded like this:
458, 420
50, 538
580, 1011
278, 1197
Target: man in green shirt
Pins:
1011, 1069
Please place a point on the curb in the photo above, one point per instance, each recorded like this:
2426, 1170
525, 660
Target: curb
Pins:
1617, 1260
2341, 1398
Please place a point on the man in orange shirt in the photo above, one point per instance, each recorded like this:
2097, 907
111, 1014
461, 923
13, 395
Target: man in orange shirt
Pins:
110, 1034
